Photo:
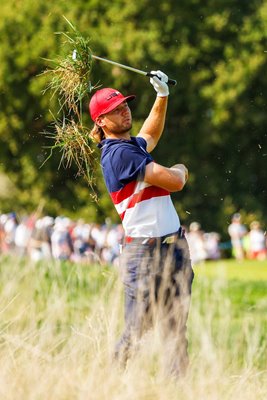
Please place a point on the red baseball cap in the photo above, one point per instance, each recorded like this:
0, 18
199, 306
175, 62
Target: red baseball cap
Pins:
106, 100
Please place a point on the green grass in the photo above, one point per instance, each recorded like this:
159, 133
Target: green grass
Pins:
59, 323
231, 299
243, 285
246, 270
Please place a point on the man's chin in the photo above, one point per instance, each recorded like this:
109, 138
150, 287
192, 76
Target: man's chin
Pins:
126, 129
123, 129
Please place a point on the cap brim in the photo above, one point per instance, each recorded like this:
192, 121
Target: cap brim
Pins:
117, 103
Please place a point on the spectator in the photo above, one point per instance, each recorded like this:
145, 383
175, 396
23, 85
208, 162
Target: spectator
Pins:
22, 237
211, 243
78, 238
113, 239
10, 227
83, 244
46, 232
196, 243
35, 243
237, 231
99, 235
256, 242
61, 243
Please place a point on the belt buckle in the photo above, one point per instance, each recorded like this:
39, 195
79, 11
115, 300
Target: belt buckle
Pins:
169, 239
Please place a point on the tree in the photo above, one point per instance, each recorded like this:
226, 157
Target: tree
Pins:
216, 116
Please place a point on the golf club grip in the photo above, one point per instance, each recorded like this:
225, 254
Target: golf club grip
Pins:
171, 82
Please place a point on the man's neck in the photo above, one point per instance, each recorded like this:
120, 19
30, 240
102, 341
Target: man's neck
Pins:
125, 136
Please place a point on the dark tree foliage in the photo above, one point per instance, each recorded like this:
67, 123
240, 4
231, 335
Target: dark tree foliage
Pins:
216, 122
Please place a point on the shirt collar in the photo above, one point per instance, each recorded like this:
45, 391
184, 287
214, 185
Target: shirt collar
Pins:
113, 141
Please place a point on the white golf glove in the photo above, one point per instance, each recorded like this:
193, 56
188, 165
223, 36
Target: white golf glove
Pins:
160, 83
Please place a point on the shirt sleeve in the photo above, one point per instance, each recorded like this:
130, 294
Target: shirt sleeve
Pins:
129, 162
141, 142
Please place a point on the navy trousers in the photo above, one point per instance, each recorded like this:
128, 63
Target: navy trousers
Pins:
157, 276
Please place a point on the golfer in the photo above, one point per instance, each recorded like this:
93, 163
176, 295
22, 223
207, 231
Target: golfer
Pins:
155, 261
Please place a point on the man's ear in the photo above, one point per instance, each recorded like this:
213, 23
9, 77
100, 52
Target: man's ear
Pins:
100, 121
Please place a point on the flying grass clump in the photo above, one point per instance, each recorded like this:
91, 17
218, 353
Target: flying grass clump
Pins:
70, 83
70, 74
76, 146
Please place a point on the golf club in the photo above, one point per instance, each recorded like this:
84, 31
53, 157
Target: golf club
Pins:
138, 71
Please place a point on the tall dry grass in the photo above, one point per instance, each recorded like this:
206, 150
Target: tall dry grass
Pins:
59, 325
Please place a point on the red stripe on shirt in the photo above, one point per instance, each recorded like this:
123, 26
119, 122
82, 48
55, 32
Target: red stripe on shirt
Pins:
124, 193
122, 215
145, 194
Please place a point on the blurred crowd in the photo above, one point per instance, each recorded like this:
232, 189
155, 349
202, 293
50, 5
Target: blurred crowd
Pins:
203, 245
61, 238
244, 242
248, 242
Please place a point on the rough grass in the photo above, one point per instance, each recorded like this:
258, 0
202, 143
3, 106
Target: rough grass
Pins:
59, 323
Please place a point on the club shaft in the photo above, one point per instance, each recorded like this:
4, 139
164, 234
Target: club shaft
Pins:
138, 71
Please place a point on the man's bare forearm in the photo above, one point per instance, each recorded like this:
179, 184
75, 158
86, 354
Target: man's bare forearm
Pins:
153, 126
172, 179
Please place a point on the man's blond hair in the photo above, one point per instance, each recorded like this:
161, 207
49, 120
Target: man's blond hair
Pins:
97, 133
